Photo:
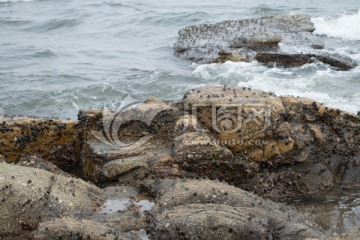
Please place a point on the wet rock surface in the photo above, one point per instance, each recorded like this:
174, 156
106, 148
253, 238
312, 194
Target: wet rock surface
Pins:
296, 60
56, 141
258, 39
279, 148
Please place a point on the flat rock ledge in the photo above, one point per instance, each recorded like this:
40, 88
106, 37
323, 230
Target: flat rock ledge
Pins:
217, 165
258, 39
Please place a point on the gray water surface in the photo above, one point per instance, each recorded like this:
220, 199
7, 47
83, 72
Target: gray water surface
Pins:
59, 56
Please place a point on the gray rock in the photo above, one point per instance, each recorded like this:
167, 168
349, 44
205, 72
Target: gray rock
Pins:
354, 234
237, 41
30, 196
204, 209
296, 60
70, 228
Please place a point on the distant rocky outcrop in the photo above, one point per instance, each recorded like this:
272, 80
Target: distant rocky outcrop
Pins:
174, 154
258, 39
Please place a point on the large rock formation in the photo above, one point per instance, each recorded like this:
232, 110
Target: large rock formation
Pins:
205, 209
56, 141
250, 39
282, 148
37, 204
277, 147
30, 196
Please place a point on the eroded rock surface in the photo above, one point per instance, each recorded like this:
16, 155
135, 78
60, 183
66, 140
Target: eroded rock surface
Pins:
30, 196
70, 228
282, 148
55, 141
250, 39
204, 209
296, 60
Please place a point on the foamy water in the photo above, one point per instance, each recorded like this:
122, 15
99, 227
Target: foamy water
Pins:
346, 27
316, 80
311, 81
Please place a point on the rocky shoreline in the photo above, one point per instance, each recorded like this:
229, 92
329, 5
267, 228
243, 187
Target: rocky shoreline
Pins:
218, 164
222, 163
260, 39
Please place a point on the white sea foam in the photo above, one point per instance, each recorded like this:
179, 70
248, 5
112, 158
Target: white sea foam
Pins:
316, 81
345, 27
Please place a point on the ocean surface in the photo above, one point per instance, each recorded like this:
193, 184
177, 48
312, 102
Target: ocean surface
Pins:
57, 56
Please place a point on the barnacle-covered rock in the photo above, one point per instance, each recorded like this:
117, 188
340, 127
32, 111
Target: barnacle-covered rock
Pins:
204, 209
258, 39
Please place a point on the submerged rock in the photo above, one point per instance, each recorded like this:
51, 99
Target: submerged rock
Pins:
250, 39
296, 60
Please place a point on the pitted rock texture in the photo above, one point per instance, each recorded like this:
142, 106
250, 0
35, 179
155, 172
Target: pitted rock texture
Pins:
70, 228
145, 131
284, 146
204, 209
55, 141
30, 196
277, 147
250, 39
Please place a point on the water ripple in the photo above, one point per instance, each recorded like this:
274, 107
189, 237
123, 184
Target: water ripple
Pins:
54, 24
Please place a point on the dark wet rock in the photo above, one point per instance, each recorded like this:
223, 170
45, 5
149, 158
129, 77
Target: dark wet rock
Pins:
335, 211
296, 60
55, 141
283, 146
124, 165
204, 209
144, 133
37, 162
240, 41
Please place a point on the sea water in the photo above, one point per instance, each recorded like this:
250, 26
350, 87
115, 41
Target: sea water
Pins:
57, 56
